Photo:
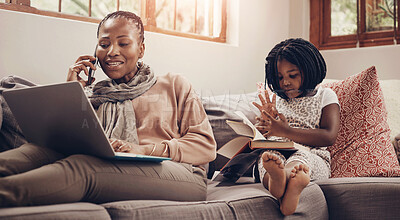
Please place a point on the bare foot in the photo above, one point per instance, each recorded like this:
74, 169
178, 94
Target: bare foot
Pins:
298, 180
277, 176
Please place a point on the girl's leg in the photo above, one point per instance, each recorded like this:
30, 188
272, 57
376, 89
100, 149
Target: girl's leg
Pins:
299, 178
87, 178
305, 165
25, 158
276, 175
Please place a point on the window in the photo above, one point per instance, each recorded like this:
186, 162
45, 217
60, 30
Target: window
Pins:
199, 19
353, 23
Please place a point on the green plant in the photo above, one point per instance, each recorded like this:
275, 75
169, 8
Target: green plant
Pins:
388, 7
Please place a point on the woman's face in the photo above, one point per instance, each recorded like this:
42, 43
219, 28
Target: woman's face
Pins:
290, 79
119, 49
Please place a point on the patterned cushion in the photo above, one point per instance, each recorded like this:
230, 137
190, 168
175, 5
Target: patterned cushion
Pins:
363, 146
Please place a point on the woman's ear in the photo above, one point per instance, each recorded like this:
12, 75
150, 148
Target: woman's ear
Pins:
141, 50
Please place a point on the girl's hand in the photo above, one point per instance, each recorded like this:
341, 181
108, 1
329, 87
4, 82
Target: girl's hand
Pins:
126, 147
267, 105
274, 126
81, 64
262, 125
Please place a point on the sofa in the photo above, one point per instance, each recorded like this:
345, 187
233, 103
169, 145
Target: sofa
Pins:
365, 181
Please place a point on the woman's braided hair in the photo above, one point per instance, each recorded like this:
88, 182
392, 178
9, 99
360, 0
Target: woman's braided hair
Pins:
127, 15
301, 53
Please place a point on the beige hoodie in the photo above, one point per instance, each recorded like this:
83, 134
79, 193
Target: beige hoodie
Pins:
171, 113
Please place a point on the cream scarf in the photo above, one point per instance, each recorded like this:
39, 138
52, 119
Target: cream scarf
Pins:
114, 103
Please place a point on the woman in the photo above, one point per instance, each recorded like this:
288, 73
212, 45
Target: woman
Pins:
141, 113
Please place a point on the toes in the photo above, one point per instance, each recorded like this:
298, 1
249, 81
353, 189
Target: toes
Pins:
304, 168
293, 172
265, 156
272, 156
268, 156
299, 168
277, 159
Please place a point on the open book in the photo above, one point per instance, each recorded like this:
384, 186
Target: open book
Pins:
251, 138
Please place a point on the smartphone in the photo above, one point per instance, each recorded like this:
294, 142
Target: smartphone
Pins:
91, 71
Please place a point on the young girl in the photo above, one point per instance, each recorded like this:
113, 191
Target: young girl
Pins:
307, 115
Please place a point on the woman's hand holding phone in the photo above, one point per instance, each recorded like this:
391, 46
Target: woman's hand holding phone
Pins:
82, 64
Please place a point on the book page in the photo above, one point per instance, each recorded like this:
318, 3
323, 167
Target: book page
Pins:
256, 133
231, 148
241, 128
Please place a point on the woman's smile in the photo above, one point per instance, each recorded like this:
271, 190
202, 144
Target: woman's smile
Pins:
113, 65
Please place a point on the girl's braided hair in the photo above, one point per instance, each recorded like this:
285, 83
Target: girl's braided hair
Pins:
301, 53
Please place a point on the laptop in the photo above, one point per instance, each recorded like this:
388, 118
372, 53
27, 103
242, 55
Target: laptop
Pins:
60, 116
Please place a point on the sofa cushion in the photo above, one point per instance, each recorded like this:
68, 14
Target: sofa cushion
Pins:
245, 200
362, 197
222, 107
252, 201
10, 133
162, 209
70, 211
391, 91
363, 146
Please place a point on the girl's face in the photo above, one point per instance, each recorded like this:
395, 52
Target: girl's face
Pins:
290, 79
119, 49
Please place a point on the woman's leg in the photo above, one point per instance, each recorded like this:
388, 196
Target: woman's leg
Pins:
87, 178
25, 158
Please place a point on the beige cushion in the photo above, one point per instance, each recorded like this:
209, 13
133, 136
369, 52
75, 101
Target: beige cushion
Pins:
391, 92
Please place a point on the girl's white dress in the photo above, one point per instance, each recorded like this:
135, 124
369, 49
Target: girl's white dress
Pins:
305, 112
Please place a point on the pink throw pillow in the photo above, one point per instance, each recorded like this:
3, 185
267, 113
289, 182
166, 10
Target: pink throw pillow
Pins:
363, 146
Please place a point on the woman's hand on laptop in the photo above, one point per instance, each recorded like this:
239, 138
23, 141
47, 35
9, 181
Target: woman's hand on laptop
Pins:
81, 64
126, 147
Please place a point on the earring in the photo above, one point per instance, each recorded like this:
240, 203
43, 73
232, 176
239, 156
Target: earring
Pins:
139, 63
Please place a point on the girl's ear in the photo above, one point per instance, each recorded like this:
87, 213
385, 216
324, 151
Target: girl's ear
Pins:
141, 50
